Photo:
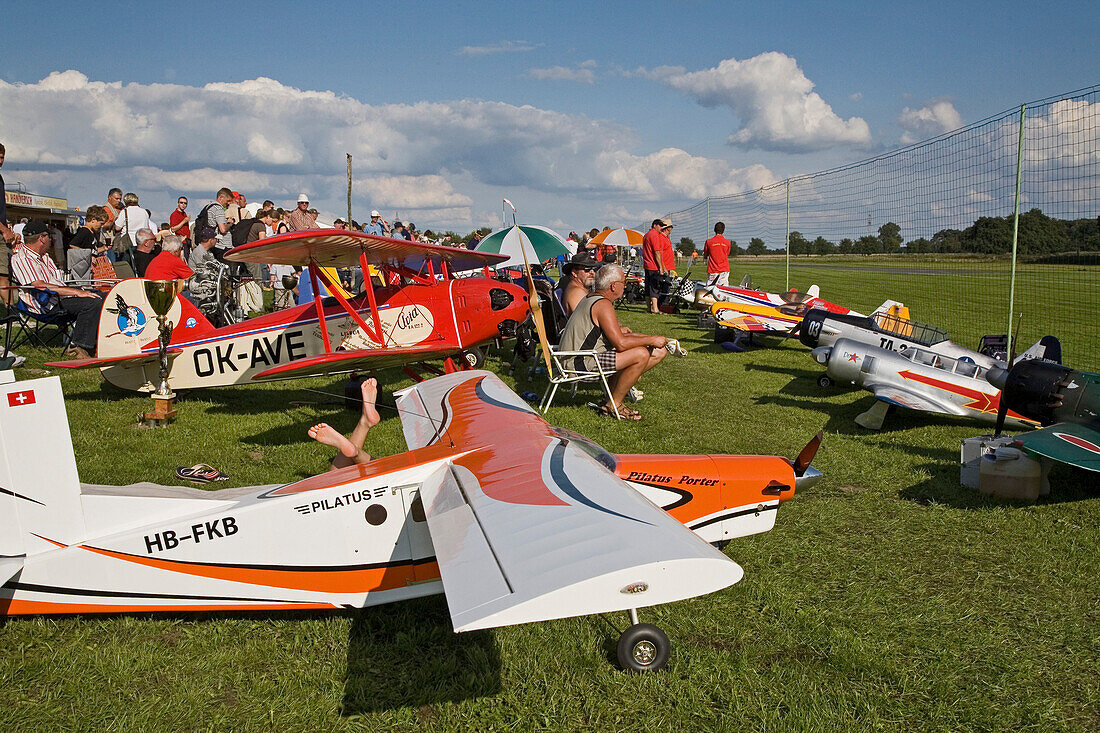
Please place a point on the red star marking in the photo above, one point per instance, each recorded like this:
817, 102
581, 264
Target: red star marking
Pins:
18, 399
853, 357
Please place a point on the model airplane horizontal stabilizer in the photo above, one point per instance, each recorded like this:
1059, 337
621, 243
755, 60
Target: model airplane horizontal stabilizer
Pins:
127, 360
340, 248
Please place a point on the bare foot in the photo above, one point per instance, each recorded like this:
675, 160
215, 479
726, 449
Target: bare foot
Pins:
322, 433
370, 396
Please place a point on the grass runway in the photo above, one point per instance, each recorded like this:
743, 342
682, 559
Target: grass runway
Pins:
888, 597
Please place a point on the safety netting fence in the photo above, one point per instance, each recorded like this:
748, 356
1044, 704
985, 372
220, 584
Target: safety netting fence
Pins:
971, 229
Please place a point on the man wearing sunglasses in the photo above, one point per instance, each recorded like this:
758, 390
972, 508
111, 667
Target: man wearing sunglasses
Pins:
579, 273
179, 220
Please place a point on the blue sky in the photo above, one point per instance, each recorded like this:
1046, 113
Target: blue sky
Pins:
582, 114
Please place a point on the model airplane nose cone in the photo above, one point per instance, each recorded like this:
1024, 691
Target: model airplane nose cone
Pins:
997, 377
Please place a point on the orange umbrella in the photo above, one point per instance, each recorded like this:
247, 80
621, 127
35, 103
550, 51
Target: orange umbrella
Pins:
620, 237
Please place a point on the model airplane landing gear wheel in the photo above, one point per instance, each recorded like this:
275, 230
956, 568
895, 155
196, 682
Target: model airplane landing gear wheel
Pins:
473, 358
824, 381
643, 648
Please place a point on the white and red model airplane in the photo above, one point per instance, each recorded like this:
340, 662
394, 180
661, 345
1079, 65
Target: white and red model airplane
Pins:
434, 316
512, 519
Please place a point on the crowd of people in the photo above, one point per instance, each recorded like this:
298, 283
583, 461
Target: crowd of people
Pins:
120, 237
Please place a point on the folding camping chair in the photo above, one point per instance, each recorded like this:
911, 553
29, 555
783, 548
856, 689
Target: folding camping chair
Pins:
25, 326
570, 367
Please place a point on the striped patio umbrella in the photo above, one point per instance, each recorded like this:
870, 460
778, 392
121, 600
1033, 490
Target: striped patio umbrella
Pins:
620, 237
540, 244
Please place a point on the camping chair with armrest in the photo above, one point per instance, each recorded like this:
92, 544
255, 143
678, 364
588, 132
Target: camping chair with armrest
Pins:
571, 368
25, 326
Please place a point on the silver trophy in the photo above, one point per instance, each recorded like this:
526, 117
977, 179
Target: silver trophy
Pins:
161, 294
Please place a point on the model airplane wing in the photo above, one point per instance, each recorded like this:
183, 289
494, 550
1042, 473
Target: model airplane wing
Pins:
745, 323
913, 400
358, 360
1066, 442
340, 248
527, 526
128, 360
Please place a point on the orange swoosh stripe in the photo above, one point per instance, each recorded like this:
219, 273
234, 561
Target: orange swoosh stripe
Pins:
358, 580
17, 607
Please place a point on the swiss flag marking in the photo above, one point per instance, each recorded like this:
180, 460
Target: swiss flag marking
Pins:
18, 399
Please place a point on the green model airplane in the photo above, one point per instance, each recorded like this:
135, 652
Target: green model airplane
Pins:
1064, 401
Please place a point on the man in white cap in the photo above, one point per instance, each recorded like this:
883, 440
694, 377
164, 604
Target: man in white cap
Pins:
376, 226
300, 220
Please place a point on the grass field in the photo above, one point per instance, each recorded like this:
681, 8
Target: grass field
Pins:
888, 597
966, 296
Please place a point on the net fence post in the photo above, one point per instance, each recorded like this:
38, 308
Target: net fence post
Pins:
1015, 225
788, 237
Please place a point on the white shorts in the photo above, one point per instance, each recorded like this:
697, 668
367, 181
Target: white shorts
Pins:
718, 278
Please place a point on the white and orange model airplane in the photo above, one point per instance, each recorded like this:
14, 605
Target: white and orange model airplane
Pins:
512, 519
434, 316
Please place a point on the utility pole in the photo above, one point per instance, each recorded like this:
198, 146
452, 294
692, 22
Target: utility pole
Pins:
349, 190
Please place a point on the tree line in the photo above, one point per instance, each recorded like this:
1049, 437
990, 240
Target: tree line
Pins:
1038, 234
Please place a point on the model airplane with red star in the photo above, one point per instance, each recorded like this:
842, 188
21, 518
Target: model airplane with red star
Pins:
915, 378
893, 330
432, 316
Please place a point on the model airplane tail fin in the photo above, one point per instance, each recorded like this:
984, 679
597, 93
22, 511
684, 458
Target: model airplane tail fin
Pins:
1048, 348
892, 308
39, 488
127, 322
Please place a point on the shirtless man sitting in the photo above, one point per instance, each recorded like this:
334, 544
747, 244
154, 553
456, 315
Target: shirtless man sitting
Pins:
350, 448
594, 326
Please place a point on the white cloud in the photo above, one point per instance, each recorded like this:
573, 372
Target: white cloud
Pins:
773, 101
270, 140
855, 96
498, 47
936, 117
583, 73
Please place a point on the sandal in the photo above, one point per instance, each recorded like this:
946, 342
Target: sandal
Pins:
200, 473
625, 413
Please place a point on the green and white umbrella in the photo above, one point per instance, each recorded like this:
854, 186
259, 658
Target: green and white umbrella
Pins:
540, 244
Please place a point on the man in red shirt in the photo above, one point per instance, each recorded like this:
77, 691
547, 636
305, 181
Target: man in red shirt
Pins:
180, 221
658, 259
717, 251
168, 265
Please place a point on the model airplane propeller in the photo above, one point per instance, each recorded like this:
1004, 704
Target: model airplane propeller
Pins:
1064, 401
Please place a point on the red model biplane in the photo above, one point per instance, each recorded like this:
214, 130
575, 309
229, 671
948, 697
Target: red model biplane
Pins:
431, 315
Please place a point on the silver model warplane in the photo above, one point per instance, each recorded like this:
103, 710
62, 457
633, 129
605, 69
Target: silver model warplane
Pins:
894, 332
917, 378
